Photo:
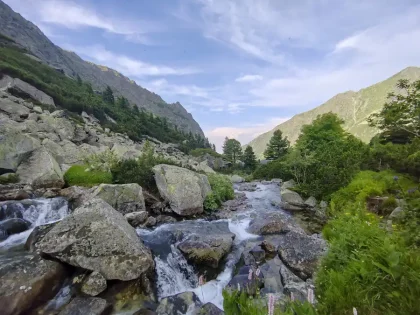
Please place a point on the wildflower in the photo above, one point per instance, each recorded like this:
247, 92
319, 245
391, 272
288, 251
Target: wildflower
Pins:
292, 297
311, 295
271, 302
395, 178
354, 311
257, 272
250, 274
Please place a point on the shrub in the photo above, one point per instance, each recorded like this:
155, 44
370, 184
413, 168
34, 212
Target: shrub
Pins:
274, 169
222, 190
80, 175
201, 152
103, 161
9, 179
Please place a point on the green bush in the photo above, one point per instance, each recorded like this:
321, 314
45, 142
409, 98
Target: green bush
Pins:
274, 169
202, 152
103, 161
9, 179
222, 190
80, 175
139, 171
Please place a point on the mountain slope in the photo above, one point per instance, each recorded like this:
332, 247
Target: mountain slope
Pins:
30, 37
353, 107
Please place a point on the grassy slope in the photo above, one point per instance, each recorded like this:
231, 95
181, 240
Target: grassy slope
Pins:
353, 107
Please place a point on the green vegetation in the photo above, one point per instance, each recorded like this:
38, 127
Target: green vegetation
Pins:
277, 147
81, 175
202, 152
250, 161
222, 190
240, 303
139, 171
77, 96
9, 179
232, 150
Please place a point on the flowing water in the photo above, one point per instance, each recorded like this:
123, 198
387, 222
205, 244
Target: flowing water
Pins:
174, 274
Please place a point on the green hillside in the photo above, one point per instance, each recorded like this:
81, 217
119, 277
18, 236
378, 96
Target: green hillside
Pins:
352, 107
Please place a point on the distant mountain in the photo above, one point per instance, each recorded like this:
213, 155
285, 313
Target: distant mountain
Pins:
353, 107
28, 35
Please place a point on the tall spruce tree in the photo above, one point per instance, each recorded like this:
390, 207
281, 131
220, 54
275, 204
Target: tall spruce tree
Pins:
232, 150
249, 158
108, 96
277, 147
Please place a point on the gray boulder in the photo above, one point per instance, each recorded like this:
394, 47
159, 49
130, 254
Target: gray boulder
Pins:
311, 202
136, 218
291, 200
236, 179
184, 189
301, 252
15, 226
15, 110
269, 224
25, 88
289, 184
397, 213
41, 170
178, 304
293, 284
85, 306
15, 192
272, 278
210, 309
125, 198
28, 281
96, 237
94, 284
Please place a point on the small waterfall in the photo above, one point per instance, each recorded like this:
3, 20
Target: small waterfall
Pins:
36, 211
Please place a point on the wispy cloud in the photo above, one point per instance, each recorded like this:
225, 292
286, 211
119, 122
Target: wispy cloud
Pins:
127, 65
249, 78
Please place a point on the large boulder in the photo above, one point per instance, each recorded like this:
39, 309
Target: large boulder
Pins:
301, 252
236, 179
13, 147
268, 224
272, 278
184, 189
28, 281
14, 226
125, 198
39, 169
85, 306
24, 88
15, 110
96, 237
182, 303
291, 200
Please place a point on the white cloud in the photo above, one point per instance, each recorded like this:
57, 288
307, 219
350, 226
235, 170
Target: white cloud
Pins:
127, 65
243, 134
249, 78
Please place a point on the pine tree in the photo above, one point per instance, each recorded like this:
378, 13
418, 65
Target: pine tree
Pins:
108, 96
214, 147
123, 102
232, 150
249, 158
277, 147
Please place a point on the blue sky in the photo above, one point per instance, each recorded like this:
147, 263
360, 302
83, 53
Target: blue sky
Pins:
239, 66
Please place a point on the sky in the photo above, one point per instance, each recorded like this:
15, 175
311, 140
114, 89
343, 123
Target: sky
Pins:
239, 66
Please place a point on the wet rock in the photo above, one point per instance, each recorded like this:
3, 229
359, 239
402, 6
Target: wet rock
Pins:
293, 284
243, 281
94, 284
15, 226
311, 202
236, 179
10, 211
15, 192
207, 250
75, 195
178, 304
40, 170
269, 224
27, 282
164, 219
210, 309
136, 218
289, 184
301, 252
125, 198
184, 189
258, 253
272, 278
247, 187
151, 222
268, 247
239, 203
85, 306
37, 235
291, 200
96, 237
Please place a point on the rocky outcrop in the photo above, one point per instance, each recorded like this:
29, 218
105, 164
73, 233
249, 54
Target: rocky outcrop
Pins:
125, 198
182, 303
136, 218
184, 189
23, 88
28, 281
96, 237
40, 170
301, 252
94, 284
91, 306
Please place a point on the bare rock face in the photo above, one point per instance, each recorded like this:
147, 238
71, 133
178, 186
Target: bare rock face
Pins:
25, 88
125, 198
96, 237
28, 281
184, 189
41, 170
